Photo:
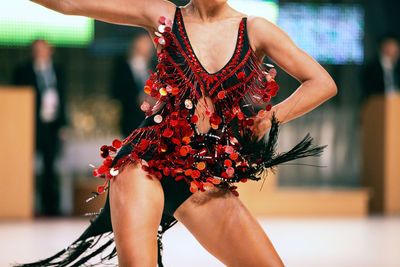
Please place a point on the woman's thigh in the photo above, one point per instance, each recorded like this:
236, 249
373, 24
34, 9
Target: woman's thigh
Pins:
136, 202
225, 227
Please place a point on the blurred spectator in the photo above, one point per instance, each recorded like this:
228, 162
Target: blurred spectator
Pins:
46, 78
130, 75
382, 75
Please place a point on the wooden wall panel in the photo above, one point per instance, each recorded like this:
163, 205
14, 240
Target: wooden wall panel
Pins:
271, 200
391, 185
16, 152
372, 143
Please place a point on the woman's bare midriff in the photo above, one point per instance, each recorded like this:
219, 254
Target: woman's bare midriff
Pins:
203, 124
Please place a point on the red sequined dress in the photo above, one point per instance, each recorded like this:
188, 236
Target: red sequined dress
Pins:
170, 133
170, 141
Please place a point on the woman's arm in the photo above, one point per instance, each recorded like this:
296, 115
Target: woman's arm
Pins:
317, 85
143, 13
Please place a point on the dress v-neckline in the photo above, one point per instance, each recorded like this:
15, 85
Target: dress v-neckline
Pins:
194, 54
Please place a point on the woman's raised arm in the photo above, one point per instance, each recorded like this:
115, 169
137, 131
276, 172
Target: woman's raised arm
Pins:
143, 13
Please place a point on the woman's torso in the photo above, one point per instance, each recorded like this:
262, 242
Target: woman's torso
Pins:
213, 45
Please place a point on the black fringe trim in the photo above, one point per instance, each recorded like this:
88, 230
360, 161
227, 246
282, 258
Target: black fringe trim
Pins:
89, 245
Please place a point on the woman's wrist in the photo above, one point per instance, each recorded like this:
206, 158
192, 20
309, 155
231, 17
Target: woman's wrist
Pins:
269, 114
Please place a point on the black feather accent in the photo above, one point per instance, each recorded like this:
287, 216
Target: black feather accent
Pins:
262, 154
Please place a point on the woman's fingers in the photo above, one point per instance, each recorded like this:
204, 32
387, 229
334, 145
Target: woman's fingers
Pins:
260, 126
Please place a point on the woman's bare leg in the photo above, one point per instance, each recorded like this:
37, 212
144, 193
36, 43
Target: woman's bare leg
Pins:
136, 202
225, 227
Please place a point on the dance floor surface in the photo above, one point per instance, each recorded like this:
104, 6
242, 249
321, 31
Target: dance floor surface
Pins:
301, 242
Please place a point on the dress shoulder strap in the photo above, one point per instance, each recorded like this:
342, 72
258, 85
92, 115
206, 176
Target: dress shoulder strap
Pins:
246, 40
177, 11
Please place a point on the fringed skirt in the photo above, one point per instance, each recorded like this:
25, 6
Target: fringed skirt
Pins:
96, 246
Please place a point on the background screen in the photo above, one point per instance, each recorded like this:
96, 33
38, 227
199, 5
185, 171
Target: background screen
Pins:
22, 21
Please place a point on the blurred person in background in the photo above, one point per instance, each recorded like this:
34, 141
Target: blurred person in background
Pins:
129, 78
381, 76
41, 73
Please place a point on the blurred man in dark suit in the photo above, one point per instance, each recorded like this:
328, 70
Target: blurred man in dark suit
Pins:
46, 78
382, 75
130, 75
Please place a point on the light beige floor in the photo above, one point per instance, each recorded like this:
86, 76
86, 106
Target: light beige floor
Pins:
372, 242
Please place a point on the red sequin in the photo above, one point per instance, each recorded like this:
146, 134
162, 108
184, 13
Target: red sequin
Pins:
216, 181
158, 175
161, 20
195, 174
175, 91
234, 156
194, 119
143, 144
228, 163
229, 149
193, 187
240, 115
176, 141
184, 150
230, 171
240, 75
201, 166
166, 171
221, 94
168, 133
184, 114
102, 169
107, 162
100, 189
266, 97
116, 143
186, 140
180, 177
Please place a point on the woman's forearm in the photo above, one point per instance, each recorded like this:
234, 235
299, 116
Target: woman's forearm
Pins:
143, 13
89, 8
308, 96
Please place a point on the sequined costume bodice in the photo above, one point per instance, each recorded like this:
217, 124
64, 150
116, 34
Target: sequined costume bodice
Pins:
187, 94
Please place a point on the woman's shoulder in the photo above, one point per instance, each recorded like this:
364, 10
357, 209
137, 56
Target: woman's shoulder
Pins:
258, 25
262, 31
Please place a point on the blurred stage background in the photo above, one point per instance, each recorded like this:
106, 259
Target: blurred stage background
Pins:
343, 213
